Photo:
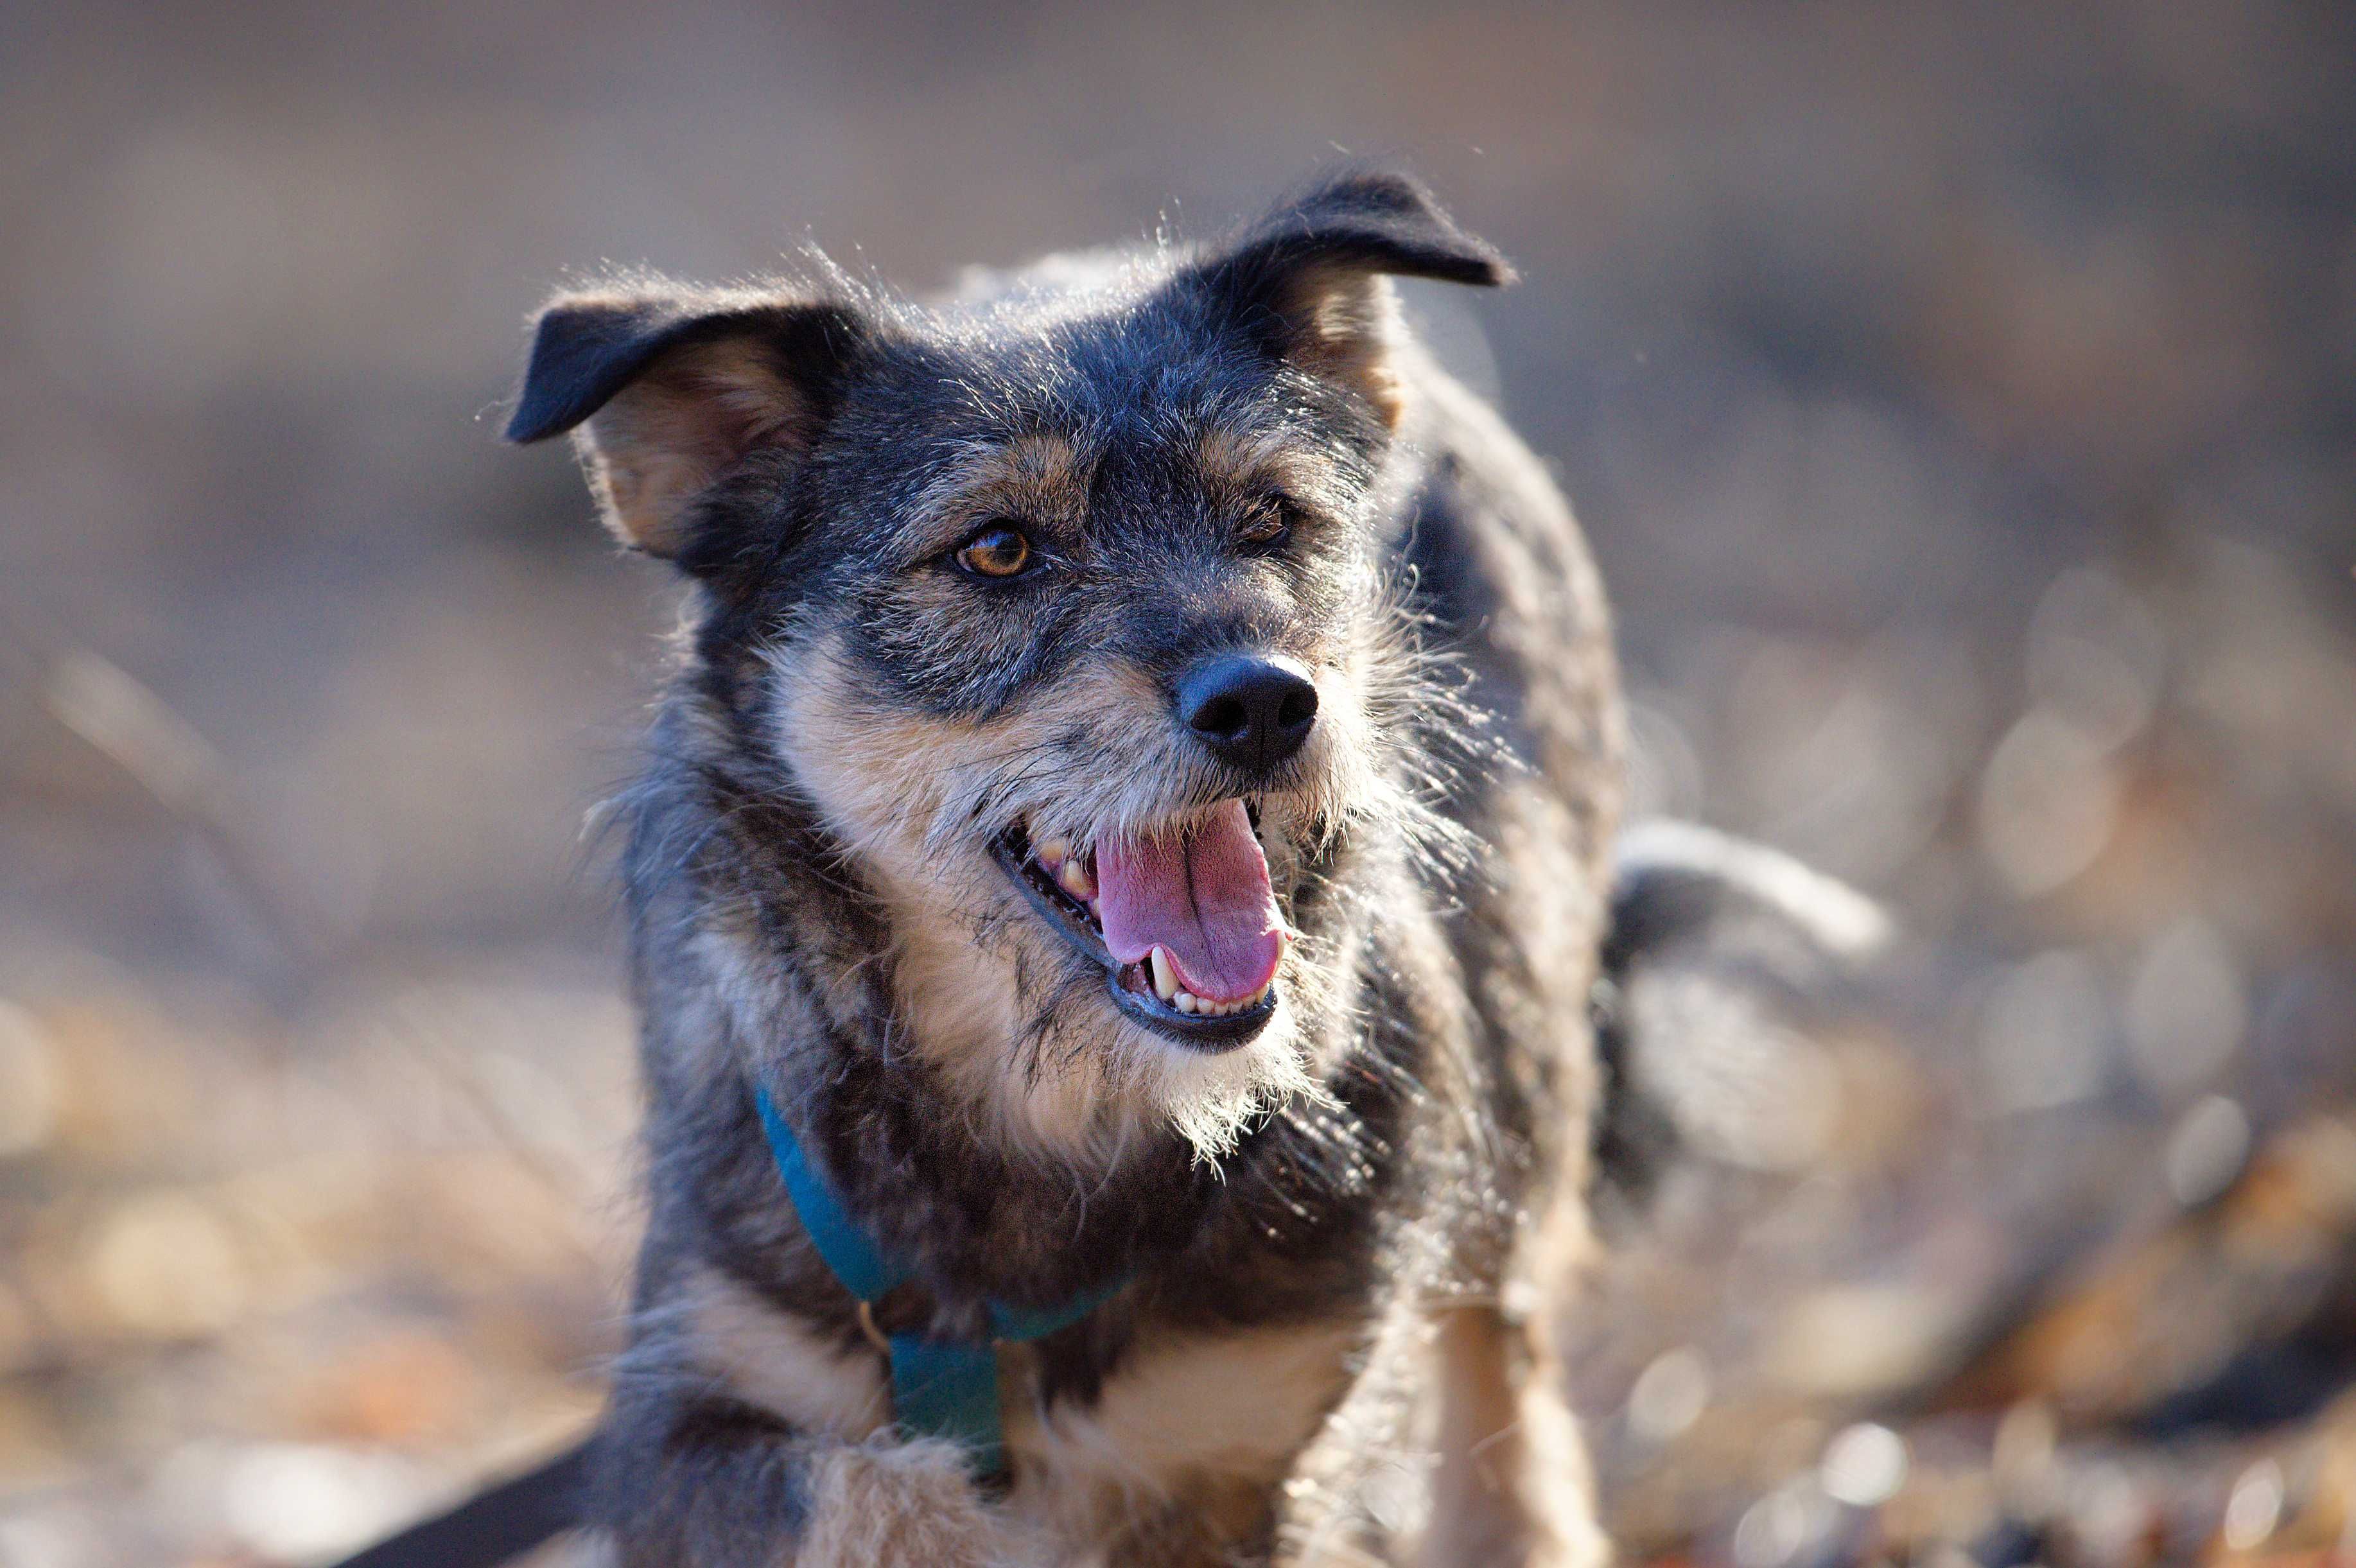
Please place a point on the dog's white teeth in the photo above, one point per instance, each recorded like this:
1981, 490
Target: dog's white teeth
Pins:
1053, 850
1076, 881
1164, 971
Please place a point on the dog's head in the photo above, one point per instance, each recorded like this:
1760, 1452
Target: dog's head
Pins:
1062, 608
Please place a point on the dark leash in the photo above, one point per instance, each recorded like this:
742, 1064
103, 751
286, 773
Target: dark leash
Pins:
493, 1526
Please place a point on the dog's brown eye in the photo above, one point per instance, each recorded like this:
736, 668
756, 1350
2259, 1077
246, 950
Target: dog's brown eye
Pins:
998, 550
1268, 524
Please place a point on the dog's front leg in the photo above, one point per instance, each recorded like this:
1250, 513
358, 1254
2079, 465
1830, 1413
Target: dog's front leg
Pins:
902, 1505
706, 1482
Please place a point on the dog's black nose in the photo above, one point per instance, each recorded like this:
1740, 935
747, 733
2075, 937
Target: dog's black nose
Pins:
1252, 710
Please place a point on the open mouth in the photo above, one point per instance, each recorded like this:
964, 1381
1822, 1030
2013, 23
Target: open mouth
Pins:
1185, 927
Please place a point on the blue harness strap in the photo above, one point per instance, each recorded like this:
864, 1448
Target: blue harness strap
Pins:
940, 1388
832, 1230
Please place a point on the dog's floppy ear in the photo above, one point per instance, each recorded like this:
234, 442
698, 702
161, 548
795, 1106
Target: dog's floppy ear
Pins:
1308, 281
667, 389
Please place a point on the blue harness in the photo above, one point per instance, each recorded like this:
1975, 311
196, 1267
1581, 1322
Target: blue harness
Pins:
940, 1388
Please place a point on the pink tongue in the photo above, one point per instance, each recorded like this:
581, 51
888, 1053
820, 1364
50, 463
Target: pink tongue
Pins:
1205, 899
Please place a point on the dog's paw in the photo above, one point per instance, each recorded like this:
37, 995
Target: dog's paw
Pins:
904, 1504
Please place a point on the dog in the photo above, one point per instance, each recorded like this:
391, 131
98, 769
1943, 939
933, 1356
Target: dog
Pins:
1115, 896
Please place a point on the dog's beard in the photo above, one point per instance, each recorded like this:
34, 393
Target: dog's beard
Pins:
1211, 1101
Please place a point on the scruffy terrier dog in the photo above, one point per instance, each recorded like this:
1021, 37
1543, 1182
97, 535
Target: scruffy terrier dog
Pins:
1115, 901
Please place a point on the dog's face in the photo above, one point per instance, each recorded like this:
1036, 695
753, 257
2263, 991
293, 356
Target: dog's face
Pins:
1064, 611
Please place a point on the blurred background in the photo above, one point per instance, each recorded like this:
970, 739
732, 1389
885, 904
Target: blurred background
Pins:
1961, 402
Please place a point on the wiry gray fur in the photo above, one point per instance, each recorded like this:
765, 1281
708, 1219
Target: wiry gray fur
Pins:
1321, 1229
